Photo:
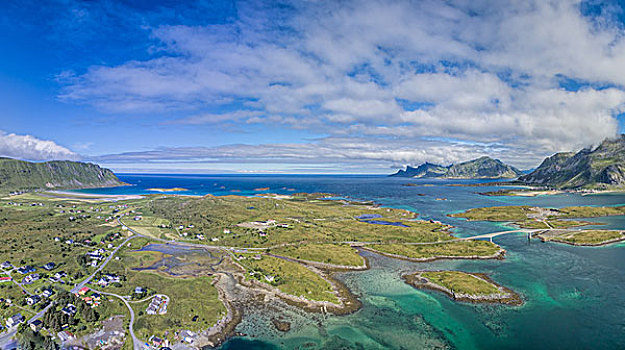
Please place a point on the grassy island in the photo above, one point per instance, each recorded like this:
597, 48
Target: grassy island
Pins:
500, 214
463, 286
583, 237
552, 224
523, 213
460, 249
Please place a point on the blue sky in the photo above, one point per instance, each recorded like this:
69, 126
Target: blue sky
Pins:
307, 87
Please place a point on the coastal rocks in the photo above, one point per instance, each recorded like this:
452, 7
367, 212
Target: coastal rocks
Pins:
280, 325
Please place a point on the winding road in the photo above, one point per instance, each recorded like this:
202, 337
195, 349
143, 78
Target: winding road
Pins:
137, 344
6, 337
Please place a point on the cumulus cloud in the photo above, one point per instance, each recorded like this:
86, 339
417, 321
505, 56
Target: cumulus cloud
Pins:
28, 147
477, 72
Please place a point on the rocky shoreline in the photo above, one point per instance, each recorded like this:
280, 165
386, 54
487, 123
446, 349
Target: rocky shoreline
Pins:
236, 291
348, 302
224, 328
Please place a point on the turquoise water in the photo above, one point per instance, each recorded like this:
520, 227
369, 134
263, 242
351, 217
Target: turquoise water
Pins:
574, 296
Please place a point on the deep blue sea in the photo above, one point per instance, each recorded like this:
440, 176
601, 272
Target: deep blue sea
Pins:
574, 296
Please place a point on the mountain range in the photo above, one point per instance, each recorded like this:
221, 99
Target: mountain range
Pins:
19, 175
600, 168
480, 168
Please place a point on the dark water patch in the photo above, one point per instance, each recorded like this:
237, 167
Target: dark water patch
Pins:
384, 222
368, 216
166, 264
173, 249
248, 344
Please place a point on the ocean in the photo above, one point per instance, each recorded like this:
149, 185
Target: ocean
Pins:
574, 296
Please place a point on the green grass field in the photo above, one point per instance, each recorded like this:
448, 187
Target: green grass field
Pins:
589, 212
290, 278
454, 249
520, 213
8, 290
336, 254
502, 214
189, 296
461, 282
307, 221
590, 237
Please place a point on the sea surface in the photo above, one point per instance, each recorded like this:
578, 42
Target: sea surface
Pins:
574, 296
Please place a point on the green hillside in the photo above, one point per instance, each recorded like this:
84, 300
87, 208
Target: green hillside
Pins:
18, 175
599, 168
423, 170
480, 168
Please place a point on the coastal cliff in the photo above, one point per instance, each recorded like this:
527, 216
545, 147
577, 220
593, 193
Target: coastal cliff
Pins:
19, 175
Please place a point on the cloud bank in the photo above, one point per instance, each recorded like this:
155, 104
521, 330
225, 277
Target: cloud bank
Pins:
400, 81
28, 147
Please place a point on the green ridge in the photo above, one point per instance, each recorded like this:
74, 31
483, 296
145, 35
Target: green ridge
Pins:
480, 168
19, 175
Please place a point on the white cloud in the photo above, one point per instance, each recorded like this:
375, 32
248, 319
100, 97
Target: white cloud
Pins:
216, 118
28, 147
485, 72
472, 90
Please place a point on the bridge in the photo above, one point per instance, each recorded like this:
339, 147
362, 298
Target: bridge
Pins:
490, 236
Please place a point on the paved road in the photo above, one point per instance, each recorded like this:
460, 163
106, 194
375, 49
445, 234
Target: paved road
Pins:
78, 286
137, 344
5, 338
8, 273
